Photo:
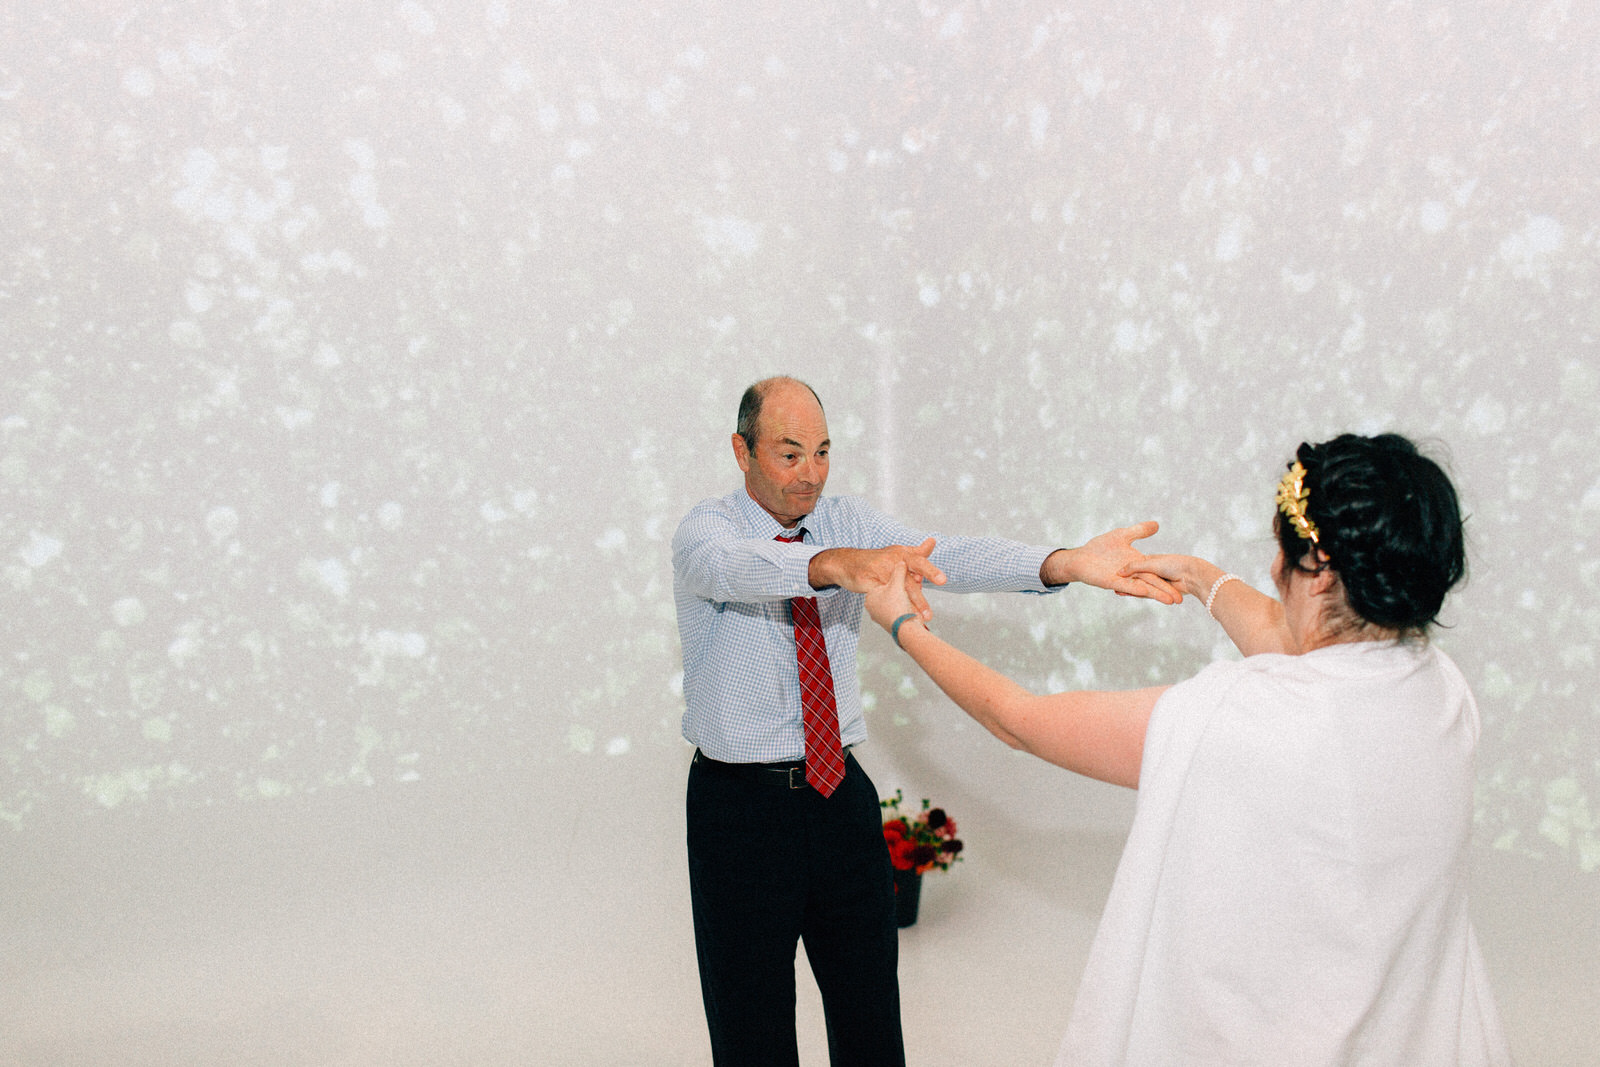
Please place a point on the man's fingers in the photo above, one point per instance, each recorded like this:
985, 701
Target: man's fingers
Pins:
1140, 530
905, 577
919, 603
918, 566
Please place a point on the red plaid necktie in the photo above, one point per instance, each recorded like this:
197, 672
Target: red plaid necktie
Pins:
818, 713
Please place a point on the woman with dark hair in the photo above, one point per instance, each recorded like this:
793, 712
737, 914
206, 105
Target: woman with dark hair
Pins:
1294, 887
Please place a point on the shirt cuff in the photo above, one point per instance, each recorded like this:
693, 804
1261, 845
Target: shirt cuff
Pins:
796, 568
1038, 555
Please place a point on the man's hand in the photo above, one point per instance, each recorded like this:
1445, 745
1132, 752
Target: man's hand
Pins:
862, 570
1104, 562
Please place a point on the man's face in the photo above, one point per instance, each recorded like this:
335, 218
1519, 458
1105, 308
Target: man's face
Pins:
786, 472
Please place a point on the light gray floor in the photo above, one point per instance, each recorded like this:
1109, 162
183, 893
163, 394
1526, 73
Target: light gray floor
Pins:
549, 925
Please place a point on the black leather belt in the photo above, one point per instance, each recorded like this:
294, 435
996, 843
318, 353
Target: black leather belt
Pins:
791, 773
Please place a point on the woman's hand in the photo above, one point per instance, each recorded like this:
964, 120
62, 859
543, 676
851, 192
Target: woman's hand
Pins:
1190, 575
889, 600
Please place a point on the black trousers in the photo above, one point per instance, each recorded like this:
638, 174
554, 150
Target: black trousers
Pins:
771, 865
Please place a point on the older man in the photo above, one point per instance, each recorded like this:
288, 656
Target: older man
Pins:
784, 834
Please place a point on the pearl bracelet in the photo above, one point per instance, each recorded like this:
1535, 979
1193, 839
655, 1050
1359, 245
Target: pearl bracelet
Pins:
1218, 584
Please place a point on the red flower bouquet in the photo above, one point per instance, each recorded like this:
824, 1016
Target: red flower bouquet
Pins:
919, 843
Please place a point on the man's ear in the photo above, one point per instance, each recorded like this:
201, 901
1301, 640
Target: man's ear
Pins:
741, 453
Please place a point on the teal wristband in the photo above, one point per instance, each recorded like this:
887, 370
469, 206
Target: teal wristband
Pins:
894, 631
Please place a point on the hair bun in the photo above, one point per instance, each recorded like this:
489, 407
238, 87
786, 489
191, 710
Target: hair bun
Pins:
1390, 523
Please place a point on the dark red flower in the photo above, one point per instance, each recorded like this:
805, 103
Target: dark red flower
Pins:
919, 842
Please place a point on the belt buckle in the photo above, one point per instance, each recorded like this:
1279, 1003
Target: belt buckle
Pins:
801, 771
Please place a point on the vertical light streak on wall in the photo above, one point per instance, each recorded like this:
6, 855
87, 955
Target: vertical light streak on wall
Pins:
887, 433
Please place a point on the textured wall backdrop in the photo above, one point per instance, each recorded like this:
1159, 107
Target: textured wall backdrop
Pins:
359, 360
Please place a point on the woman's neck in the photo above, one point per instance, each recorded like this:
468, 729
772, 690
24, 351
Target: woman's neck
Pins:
1344, 631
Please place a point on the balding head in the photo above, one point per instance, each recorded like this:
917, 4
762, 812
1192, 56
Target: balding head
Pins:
782, 447
749, 425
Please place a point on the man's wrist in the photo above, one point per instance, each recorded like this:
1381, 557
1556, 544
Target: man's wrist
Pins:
817, 569
1054, 572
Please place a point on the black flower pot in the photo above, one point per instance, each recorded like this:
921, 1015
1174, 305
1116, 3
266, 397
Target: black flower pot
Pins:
907, 894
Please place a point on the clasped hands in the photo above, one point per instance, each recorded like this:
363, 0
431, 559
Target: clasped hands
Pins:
899, 568
892, 578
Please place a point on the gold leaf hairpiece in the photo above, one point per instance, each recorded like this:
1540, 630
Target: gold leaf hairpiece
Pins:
1292, 499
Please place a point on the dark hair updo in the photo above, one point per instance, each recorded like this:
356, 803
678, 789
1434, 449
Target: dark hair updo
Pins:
1388, 520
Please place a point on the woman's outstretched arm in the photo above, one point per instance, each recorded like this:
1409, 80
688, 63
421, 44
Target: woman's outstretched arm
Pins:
1253, 621
1099, 735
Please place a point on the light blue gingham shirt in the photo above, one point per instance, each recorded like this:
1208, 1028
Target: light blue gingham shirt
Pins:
732, 581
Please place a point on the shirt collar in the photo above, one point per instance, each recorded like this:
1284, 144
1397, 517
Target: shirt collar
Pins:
763, 524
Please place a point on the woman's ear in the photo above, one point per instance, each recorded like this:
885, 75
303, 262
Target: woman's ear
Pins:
1324, 579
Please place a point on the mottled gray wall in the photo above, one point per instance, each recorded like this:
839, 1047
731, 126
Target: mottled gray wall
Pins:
359, 360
